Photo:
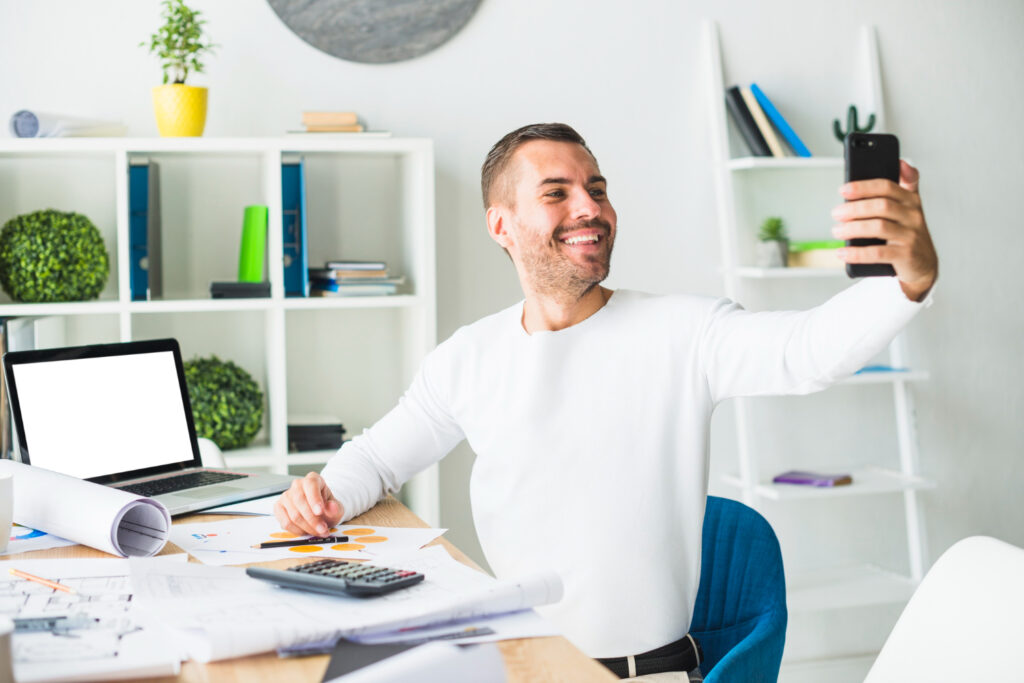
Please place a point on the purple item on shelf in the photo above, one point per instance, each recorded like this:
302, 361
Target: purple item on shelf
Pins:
812, 478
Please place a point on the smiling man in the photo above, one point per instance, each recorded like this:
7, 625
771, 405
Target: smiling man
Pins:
589, 410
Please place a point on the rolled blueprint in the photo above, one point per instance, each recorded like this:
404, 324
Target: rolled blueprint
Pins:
101, 517
37, 124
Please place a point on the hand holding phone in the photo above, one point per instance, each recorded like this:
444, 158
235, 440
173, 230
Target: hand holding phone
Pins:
882, 220
870, 156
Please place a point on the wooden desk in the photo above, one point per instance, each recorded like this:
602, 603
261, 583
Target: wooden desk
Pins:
526, 660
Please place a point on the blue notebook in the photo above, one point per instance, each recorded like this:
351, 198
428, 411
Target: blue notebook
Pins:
293, 204
773, 114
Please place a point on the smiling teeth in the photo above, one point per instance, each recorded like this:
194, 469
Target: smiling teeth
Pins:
584, 238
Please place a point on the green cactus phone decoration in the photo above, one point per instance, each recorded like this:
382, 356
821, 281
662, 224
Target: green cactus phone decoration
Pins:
851, 124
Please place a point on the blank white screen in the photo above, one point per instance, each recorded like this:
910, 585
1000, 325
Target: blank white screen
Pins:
91, 417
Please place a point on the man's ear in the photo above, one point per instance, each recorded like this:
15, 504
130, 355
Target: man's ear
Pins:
497, 218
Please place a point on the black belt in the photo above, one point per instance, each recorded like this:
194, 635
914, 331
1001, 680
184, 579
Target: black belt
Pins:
683, 655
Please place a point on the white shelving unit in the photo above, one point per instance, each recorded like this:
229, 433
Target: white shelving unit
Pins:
367, 198
746, 186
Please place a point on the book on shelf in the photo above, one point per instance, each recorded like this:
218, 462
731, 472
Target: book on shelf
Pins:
340, 264
5, 408
329, 118
787, 132
354, 279
331, 128
343, 274
812, 478
145, 279
762, 123
745, 122
293, 214
334, 288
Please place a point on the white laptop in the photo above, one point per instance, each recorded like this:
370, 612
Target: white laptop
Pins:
119, 415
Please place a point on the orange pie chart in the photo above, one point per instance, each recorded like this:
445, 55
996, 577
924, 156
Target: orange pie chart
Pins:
347, 546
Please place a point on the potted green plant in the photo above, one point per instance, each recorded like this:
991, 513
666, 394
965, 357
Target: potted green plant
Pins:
773, 243
227, 404
49, 256
180, 45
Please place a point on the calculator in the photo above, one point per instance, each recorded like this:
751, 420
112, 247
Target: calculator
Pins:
338, 577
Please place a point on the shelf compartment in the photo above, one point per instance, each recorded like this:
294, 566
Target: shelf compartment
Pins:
866, 481
844, 587
83, 182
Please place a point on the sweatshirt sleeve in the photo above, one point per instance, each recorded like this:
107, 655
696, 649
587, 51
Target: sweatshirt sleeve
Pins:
797, 352
415, 434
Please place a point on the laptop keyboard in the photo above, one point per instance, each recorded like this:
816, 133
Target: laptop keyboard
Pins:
189, 480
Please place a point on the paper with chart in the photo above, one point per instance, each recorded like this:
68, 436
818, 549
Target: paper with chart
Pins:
93, 633
116, 522
230, 541
25, 540
219, 612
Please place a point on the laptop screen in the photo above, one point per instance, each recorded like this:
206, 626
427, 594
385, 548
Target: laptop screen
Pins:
103, 416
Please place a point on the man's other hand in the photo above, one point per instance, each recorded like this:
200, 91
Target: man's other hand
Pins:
308, 507
882, 209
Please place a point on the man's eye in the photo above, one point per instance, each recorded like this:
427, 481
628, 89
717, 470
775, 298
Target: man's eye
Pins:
555, 193
597, 192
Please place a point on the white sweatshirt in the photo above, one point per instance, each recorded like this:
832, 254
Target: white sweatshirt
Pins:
592, 441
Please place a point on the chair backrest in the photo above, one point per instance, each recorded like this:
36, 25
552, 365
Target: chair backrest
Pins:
742, 594
964, 621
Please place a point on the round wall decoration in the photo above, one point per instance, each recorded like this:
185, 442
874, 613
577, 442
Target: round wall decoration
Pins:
375, 31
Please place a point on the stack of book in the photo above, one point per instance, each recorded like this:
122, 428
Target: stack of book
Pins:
331, 122
761, 124
314, 433
353, 278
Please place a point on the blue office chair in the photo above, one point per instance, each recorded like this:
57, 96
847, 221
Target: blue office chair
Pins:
740, 614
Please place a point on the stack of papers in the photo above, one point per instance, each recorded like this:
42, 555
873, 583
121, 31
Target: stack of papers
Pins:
219, 613
140, 617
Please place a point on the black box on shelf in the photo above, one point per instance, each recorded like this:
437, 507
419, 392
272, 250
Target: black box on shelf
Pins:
240, 290
314, 433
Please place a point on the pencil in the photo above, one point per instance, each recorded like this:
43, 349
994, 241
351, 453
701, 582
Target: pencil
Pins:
38, 579
301, 541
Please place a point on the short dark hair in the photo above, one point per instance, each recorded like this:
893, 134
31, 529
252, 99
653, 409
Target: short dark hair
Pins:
498, 158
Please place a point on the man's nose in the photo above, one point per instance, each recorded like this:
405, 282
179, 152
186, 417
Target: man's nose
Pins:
584, 206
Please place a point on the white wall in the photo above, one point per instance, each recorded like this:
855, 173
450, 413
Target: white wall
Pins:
627, 75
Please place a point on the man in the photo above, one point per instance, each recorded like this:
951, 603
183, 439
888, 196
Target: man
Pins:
589, 410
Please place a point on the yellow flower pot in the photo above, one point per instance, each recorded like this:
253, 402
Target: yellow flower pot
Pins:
180, 110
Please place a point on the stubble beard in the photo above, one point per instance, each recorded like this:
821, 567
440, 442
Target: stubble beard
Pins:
553, 274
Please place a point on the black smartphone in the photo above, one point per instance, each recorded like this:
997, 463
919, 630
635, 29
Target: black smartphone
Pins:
871, 155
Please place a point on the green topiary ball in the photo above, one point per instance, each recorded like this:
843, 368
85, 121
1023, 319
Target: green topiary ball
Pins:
227, 405
50, 255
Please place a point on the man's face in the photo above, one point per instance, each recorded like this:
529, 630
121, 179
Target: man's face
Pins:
560, 226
